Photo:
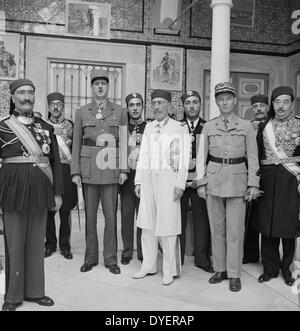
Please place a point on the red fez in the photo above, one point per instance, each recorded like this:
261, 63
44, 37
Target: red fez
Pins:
55, 96
133, 96
259, 98
190, 93
161, 94
15, 84
282, 90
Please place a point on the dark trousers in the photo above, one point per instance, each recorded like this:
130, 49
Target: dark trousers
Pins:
271, 257
201, 229
108, 194
24, 254
129, 207
64, 231
251, 245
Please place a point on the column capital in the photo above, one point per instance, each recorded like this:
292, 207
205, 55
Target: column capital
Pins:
215, 3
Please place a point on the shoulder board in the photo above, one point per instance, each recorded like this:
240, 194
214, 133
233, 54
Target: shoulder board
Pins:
212, 119
298, 117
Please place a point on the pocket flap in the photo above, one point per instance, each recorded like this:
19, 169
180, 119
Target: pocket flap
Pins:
212, 167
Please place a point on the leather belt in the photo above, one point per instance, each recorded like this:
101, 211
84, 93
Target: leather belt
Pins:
26, 159
292, 159
226, 160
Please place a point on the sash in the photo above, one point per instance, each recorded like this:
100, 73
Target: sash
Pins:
200, 157
292, 167
64, 148
29, 142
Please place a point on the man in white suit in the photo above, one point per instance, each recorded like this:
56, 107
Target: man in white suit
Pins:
160, 179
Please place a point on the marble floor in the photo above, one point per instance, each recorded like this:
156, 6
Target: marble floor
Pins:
100, 290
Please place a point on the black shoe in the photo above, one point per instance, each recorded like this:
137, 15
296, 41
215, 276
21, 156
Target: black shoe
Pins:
45, 301
87, 267
7, 306
67, 255
125, 260
114, 269
235, 284
208, 268
49, 252
218, 277
265, 278
289, 280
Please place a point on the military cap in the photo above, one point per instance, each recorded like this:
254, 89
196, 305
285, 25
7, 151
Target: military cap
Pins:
225, 87
259, 98
15, 84
99, 74
281, 90
55, 96
190, 93
133, 96
161, 94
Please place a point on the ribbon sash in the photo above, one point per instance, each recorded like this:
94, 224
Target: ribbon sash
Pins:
29, 142
64, 147
292, 167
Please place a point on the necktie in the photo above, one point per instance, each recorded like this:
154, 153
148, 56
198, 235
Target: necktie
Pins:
192, 125
226, 124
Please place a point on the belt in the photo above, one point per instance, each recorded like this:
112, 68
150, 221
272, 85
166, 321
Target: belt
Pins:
292, 159
226, 160
26, 159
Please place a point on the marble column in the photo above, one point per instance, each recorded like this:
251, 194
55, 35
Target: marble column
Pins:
220, 48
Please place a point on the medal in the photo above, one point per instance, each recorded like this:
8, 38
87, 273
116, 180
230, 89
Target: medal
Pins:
99, 116
46, 149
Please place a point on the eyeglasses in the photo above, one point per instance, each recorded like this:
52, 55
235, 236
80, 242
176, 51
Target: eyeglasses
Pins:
56, 104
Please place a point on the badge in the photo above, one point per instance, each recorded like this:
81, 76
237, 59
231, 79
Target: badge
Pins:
46, 149
99, 116
190, 93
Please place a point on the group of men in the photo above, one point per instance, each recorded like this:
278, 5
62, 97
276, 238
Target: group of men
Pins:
217, 169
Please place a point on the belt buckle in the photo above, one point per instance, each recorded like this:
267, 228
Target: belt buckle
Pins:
226, 161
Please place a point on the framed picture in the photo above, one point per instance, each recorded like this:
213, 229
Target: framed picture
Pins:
88, 19
166, 68
9, 56
243, 13
251, 86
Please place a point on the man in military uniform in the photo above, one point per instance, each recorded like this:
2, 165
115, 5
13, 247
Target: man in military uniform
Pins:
260, 107
30, 185
63, 129
226, 183
279, 153
192, 105
129, 201
95, 163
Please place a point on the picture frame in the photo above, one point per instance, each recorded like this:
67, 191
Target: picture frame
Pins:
166, 68
243, 13
88, 19
9, 56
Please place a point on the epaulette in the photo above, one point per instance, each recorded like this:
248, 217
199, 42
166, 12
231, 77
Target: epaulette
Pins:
298, 117
212, 119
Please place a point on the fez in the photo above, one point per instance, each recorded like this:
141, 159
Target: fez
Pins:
259, 98
161, 94
225, 87
99, 74
55, 96
282, 90
190, 93
15, 84
133, 96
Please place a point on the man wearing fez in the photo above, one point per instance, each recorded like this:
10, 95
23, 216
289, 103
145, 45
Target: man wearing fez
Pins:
201, 233
63, 129
30, 186
226, 183
129, 201
259, 107
160, 180
279, 153
96, 163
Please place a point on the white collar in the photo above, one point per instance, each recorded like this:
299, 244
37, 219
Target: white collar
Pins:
195, 122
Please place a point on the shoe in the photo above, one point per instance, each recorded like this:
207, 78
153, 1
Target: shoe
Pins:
8, 306
218, 277
265, 278
49, 252
235, 284
45, 301
87, 267
289, 280
167, 280
114, 269
208, 268
142, 274
125, 260
67, 255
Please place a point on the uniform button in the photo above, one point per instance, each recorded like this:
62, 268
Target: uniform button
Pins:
34, 165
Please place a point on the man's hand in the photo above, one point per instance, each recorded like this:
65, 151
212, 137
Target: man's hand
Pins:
178, 192
77, 180
201, 190
194, 184
137, 190
252, 193
58, 202
122, 179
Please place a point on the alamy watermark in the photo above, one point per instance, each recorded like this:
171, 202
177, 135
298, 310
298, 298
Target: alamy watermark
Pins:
296, 23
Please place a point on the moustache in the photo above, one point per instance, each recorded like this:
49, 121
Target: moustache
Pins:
27, 101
